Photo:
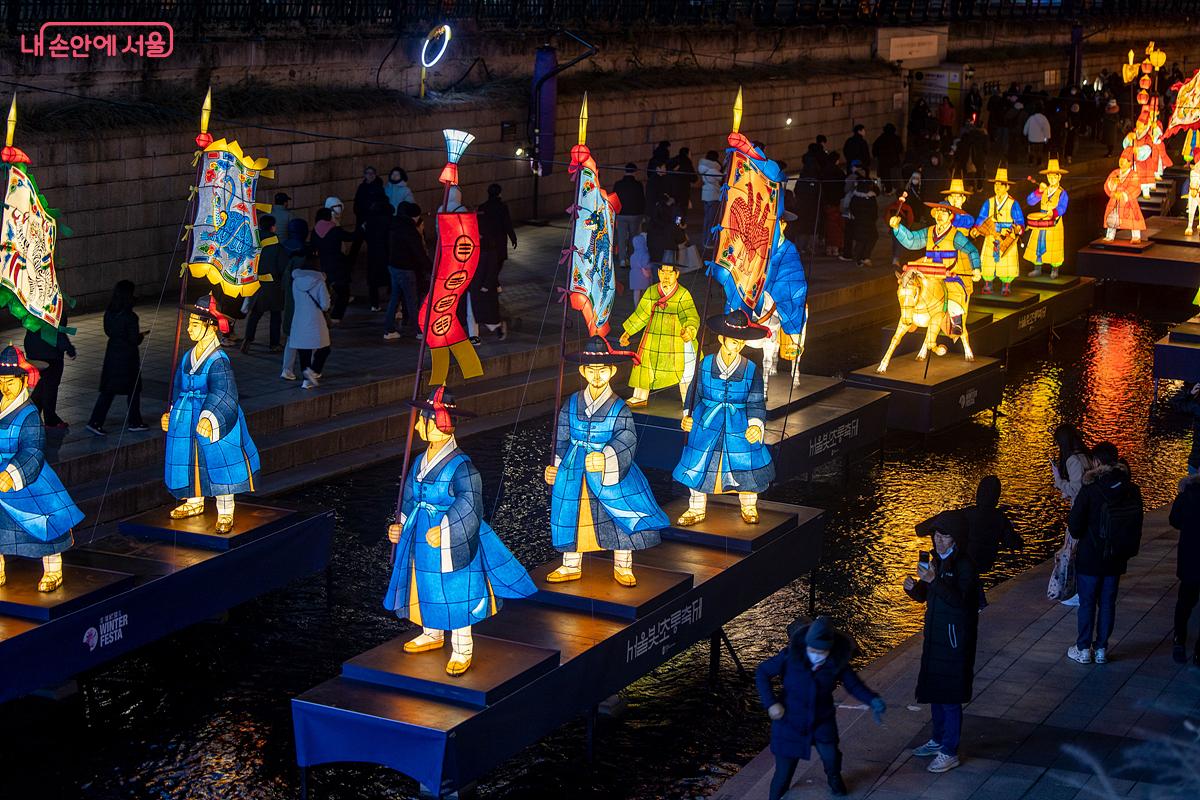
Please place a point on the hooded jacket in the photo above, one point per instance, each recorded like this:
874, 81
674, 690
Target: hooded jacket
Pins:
1104, 484
951, 618
1185, 515
988, 526
810, 714
311, 299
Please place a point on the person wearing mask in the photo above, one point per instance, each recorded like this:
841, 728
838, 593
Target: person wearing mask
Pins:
657, 182
858, 149
712, 177
45, 394
1185, 515
948, 584
329, 240
370, 190
295, 249
282, 211
397, 190
377, 234
272, 260
121, 371
495, 234
632, 198
408, 258
803, 714
889, 153
863, 223
1106, 519
310, 335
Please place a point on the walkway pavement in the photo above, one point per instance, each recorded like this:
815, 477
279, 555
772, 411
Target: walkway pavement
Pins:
1032, 706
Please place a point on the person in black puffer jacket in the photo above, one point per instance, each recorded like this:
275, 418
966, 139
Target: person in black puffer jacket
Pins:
1185, 515
948, 585
803, 715
1106, 518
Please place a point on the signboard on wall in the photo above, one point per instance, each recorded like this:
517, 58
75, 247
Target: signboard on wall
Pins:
912, 49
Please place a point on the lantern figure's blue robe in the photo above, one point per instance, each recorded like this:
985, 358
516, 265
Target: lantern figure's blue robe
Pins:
609, 510
37, 514
717, 457
461, 581
786, 285
197, 466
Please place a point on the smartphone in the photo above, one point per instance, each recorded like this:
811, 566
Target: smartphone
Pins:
923, 559
678, 220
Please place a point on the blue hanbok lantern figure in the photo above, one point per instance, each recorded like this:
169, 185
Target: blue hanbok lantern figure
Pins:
451, 570
209, 449
600, 499
36, 513
724, 419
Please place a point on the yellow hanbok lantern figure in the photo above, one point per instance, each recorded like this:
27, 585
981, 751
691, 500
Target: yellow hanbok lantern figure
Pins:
1193, 197
957, 196
1046, 226
999, 222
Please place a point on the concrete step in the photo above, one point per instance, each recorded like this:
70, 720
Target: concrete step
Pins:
871, 312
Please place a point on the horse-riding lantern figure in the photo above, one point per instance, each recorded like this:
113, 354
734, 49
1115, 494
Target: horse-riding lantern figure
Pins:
932, 292
209, 449
600, 499
451, 570
726, 451
36, 513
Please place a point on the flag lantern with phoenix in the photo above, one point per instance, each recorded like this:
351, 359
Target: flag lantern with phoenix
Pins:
593, 283
455, 263
750, 223
225, 239
29, 232
1186, 115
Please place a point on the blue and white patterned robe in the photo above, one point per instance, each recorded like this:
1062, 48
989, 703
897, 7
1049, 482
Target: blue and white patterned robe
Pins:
461, 581
195, 465
621, 508
717, 455
37, 514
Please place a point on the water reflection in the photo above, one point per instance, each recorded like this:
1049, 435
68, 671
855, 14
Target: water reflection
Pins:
205, 714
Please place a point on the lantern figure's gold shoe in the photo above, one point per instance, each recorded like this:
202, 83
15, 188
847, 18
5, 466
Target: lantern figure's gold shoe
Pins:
691, 517
458, 664
185, 510
624, 576
563, 574
423, 644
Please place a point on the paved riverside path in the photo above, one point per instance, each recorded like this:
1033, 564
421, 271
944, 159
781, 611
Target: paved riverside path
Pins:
1030, 702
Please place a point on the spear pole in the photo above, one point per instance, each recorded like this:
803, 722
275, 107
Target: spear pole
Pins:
566, 299
202, 141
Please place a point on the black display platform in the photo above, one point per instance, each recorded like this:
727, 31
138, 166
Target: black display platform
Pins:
1177, 355
952, 391
1044, 282
82, 587
1171, 231
1016, 298
1160, 265
250, 522
723, 526
498, 668
1185, 332
1125, 245
445, 746
598, 593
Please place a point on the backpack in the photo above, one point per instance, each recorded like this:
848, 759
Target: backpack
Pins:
1118, 533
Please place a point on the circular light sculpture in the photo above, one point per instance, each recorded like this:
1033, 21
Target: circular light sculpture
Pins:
441, 32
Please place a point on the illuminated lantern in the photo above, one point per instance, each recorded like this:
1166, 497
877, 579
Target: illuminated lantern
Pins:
724, 415
29, 231
600, 500
450, 569
593, 282
1193, 197
668, 318
932, 291
1123, 211
432, 51
209, 449
1000, 222
36, 513
1045, 244
1185, 117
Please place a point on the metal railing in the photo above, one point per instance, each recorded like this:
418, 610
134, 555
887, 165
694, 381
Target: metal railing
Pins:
200, 18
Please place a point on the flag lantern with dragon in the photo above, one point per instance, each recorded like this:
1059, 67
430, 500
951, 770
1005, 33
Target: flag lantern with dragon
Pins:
454, 267
29, 231
593, 284
225, 239
757, 266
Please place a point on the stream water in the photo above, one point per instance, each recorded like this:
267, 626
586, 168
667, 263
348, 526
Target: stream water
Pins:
205, 713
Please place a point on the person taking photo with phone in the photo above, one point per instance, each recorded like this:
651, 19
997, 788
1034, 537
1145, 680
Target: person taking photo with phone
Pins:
947, 583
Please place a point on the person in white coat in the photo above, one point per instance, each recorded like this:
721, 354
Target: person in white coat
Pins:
310, 330
1068, 470
712, 177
